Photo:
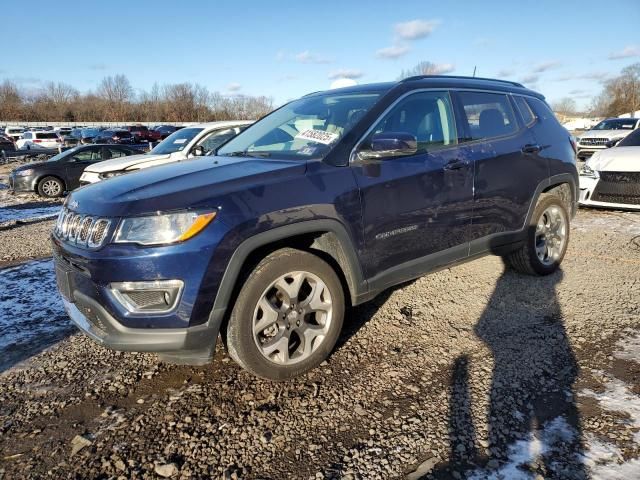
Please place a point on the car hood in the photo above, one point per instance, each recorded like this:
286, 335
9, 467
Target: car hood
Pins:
28, 166
616, 159
123, 163
606, 134
198, 183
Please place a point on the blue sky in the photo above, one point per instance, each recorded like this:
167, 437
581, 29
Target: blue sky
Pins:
285, 49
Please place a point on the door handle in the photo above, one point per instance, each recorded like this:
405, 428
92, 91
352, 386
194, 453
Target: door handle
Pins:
531, 148
455, 164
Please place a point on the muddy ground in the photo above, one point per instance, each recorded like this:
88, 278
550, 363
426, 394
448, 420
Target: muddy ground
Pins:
472, 372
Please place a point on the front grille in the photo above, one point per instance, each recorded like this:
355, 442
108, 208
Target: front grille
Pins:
618, 187
593, 141
82, 230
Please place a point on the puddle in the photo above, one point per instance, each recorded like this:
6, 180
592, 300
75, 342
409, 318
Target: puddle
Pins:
32, 317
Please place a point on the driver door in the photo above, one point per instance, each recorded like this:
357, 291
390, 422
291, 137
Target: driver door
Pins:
417, 208
76, 164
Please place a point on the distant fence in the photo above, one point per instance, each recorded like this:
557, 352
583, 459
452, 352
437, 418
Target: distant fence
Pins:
83, 124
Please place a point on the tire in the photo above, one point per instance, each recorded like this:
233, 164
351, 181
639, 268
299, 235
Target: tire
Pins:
265, 334
50, 187
547, 239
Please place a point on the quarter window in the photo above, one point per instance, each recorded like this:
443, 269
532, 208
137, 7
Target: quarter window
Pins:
525, 110
488, 114
425, 115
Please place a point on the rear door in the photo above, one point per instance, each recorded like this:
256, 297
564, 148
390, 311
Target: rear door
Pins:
418, 205
508, 168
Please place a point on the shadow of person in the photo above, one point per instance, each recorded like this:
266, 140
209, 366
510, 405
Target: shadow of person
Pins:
532, 421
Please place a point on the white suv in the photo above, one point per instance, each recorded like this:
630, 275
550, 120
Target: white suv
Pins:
34, 140
604, 135
186, 143
14, 132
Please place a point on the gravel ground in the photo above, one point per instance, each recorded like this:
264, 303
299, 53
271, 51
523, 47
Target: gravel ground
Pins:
472, 372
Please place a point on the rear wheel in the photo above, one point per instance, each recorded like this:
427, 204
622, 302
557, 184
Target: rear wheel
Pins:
50, 187
287, 317
547, 239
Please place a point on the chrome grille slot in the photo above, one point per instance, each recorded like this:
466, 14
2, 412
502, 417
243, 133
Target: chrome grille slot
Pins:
82, 230
593, 141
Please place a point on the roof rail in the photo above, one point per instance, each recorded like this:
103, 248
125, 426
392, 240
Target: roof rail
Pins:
462, 77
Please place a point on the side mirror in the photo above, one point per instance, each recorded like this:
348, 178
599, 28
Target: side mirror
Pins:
198, 151
612, 143
387, 145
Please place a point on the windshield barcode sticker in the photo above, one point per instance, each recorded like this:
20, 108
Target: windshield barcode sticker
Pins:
319, 136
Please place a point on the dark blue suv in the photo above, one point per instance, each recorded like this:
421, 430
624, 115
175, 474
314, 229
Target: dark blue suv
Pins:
319, 206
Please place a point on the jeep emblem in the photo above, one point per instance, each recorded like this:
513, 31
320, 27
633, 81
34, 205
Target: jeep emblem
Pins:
73, 204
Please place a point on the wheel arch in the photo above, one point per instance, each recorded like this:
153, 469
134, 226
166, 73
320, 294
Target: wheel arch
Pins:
326, 238
40, 178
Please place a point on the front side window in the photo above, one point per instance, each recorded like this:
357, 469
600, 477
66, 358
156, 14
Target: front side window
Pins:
427, 116
215, 139
176, 142
306, 128
488, 114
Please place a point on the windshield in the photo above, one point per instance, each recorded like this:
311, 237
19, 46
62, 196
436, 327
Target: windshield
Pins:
64, 154
631, 140
176, 142
616, 124
305, 128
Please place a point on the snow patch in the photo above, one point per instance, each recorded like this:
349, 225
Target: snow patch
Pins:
629, 349
8, 214
31, 313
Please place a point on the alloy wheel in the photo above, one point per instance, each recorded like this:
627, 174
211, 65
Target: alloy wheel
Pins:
551, 234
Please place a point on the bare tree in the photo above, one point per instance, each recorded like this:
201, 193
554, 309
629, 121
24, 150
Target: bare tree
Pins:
620, 94
11, 102
564, 108
426, 68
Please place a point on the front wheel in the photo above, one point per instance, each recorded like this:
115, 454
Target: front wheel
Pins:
50, 187
288, 315
547, 239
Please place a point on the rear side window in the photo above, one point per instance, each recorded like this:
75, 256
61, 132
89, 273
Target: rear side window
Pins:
542, 110
525, 110
26, 135
488, 114
426, 115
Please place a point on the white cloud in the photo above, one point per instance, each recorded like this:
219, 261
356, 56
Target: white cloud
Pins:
544, 66
530, 79
395, 51
309, 57
280, 56
415, 29
626, 52
234, 87
343, 82
345, 73
505, 72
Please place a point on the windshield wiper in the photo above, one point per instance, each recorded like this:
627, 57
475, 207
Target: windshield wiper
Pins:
246, 153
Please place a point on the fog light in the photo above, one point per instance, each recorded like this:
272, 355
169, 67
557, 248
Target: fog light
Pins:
160, 296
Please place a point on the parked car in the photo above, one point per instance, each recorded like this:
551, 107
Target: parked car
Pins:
6, 142
611, 177
14, 132
184, 144
604, 134
38, 139
166, 130
87, 135
63, 131
119, 136
324, 203
62, 172
143, 134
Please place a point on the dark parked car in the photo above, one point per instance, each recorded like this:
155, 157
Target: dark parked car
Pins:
322, 204
62, 172
121, 137
166, 130
6, 142
143, 134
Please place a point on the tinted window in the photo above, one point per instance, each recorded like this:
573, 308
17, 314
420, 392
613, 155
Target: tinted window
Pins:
111, 152
525, 110
91, 155
46, 135
616, 124
426, 115
27, 135
542, 110
488, 114
631, 140
176, 141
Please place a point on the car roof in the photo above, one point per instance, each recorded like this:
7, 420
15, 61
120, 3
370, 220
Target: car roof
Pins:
440, 81
221, 123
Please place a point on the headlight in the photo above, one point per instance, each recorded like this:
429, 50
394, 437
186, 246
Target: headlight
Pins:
587, 171
24, 173
162, 229
106, 175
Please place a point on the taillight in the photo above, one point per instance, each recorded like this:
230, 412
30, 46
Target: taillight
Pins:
37, 141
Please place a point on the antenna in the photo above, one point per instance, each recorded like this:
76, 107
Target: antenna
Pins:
474, 70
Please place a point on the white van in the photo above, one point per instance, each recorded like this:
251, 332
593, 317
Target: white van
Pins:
188, 142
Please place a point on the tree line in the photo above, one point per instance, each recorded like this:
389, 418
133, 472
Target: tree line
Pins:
115, 100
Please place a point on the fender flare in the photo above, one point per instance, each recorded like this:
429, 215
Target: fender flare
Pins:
354, 275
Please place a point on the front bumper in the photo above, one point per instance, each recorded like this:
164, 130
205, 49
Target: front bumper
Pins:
21, 184
591, 195
186, 334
